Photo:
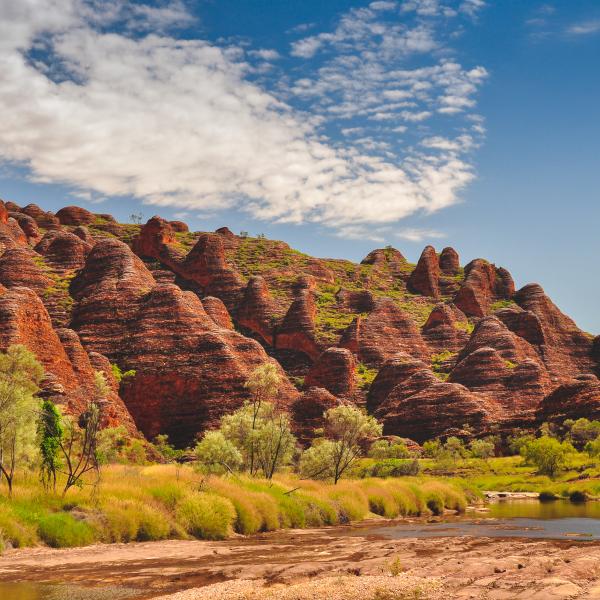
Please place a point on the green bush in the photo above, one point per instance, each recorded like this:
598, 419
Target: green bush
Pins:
61, 530
206, 516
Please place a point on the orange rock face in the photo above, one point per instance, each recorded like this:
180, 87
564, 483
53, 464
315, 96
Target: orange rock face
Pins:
194, 313
334, 370
484, 284
425, 279
75, 215
384, 332
189, 369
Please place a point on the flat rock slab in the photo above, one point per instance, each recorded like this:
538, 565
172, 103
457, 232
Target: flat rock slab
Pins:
463, 567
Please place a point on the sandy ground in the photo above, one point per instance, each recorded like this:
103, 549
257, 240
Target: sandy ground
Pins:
459, 567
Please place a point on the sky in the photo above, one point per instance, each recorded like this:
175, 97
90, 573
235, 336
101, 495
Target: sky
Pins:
337, 126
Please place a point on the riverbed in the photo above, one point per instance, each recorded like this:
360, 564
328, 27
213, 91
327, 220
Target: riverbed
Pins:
514, 562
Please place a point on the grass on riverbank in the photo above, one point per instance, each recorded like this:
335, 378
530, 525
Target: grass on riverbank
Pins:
164, 501
513, 474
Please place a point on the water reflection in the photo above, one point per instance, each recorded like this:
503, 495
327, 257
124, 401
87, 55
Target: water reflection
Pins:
554, 509
559, 519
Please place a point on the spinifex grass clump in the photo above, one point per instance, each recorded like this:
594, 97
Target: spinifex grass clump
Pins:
157, 502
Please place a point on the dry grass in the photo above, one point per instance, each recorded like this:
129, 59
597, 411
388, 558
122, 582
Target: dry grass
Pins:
165, 501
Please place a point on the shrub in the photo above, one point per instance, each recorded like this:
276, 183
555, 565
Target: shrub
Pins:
578, 496
168, 494
206, 516
381, 501
547, 454
382, 449
394, 468
61, 530
14, 532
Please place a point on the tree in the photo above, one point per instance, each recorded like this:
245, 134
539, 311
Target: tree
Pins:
547, 454
80, 441
518, 440
347, 429
455, 448
50, 432
582, 431
483, 448
168, 452
263, 384
20, 375
262, 435
593, 448
275, 442
216, 454
433, 448
382, 449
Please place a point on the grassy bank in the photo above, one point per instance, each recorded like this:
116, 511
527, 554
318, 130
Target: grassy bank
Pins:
164, 501
512, 473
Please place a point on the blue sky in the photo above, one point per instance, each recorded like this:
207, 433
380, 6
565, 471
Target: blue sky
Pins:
336, 126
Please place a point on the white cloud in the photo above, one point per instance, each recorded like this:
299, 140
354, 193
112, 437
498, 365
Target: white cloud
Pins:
585, 28
265, 54
472, 7
462, 143
177, 123
414, 234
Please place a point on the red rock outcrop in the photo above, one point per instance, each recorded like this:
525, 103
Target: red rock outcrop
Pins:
18, 268
189, 371
360, 301
446, 328
449, 261
498, 362
217, 311
334, 370
297, 331
83, 233
517, 388
596, 353
28, 226
307, 412
24, 320
153, 237
523, 323
422, 408
256, 310
484, 284
566, 350
425, 279
46, 220
384, 256
64, 250
179, 226
114, 411
206, 265
579, 398
75, 215
395, 370
17, 233
10, 207
11, 235
384, 332
492, 332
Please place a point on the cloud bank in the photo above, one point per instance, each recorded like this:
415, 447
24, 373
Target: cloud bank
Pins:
104, 97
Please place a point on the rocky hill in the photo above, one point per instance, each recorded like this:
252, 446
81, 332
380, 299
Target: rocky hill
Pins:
430, 349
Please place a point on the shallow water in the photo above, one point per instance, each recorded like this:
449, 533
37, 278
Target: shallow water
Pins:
35, 591
559, 519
